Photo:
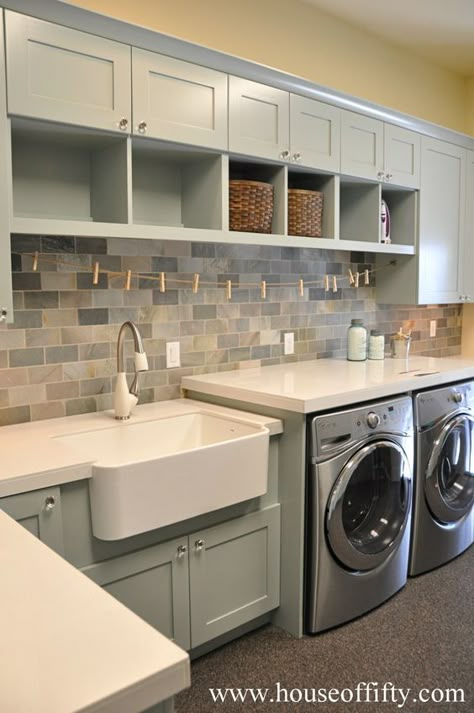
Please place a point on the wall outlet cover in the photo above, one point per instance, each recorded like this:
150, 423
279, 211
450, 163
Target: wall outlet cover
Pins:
173, 357
289, 343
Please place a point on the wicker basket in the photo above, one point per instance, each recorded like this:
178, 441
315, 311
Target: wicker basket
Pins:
305, 212
250, 206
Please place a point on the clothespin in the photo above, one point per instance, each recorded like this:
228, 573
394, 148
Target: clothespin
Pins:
351, 276
229, 289
162, 282
366, 277
35, 262
95, 274
334, 283
128, 280
263, 289
195, 283
356, 281
326, 283
301, 288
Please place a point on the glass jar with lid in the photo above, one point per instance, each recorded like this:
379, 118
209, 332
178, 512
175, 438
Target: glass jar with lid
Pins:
357, 341
376, 344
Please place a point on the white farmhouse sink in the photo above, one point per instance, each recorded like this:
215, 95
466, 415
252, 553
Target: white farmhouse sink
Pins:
154, 473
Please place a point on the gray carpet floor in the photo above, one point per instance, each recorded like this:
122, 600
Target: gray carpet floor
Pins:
421, 638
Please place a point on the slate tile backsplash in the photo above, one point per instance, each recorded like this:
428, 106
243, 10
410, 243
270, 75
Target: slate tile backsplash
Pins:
58, 357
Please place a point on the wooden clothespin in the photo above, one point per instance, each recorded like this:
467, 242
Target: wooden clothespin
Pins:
195, 283
326, 283
334, 283
95, 274
229, 289
366, 277
356, 280
162, 282
263, 289
35, 261
351, 276
301, 288
128, 280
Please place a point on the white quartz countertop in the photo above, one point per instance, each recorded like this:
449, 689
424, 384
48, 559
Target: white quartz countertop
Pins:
322, 384
32, 457
66, 645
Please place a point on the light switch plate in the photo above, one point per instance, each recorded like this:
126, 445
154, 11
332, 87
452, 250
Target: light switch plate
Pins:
289, 343
173, 357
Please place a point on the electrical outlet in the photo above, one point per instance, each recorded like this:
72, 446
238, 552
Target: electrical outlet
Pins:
289, 343
432, 328
173, 358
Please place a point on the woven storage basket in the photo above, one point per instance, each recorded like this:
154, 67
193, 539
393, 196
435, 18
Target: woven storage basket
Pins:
305, 212
250, 206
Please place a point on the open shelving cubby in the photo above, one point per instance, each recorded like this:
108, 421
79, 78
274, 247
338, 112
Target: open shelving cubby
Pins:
328, 185
249, 170
402, 205
177, 186
67, 173
359, 210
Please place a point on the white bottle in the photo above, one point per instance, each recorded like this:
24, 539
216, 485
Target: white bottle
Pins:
357, 341
376, 345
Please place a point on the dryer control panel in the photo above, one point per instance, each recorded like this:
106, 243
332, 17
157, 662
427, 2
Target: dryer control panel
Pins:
331, 432
435, 404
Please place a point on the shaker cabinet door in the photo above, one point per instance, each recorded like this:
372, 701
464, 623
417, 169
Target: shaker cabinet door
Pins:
442, 197
315, 134
402, 150
468, 252
39, 511
64, 75
361, 146
178, 101
258, 119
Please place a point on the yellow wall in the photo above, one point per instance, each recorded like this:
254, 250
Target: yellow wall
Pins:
300, 39
470, 105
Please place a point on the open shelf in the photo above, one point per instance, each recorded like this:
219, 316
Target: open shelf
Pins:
68, 173
176, 187
359, 211
326, 184
402, 205
244, 170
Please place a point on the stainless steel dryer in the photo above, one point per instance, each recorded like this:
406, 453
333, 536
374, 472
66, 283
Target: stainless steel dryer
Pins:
443, 513
359, 510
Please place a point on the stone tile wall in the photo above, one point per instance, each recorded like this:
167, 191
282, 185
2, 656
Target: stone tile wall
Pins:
59, 356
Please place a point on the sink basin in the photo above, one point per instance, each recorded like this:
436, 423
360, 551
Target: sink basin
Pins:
154, 473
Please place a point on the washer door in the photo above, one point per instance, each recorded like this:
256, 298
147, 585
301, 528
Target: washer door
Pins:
369, 505
449, 484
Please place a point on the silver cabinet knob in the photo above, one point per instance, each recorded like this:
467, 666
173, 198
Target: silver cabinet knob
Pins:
285, 155
380, 175
297, 156
142, 127
123, 124
199, 545
388, 176
3, 314
50, 502
462, 298
181, 551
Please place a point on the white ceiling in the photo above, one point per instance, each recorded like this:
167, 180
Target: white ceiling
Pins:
440, 30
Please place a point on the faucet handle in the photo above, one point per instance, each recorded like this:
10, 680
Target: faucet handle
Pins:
141, 362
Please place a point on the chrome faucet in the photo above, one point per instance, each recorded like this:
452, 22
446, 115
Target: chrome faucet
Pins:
124, 398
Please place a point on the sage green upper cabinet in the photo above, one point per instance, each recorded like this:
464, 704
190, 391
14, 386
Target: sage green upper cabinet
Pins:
314, 134
468, 257
39, 511
178, 101
361, 146
67, 76
383, 152
402, 149
258, 119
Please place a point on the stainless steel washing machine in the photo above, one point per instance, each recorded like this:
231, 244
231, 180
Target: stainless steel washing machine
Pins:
443, 513
359, 510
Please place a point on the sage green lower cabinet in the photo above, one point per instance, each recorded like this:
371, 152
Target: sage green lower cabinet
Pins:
154, 583
234, 573
200, 586
39, 511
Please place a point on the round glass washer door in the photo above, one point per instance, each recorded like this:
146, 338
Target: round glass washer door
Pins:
449, 483
369, 505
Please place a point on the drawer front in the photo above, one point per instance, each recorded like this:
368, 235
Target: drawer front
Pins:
64, 75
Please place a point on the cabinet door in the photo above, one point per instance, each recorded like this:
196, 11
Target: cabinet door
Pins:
315, 134
39, 511
402, 150
65, 75
361, 146
258, 119
178, 101
442, 196
6, 295
234, 573
468, 235
153, 583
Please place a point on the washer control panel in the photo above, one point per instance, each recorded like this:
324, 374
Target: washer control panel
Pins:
331, 432
431, 406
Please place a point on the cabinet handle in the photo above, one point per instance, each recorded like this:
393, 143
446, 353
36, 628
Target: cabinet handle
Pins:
297, 156
285, 154
388, 176
380, 175
123, 124
142, 127
3, 314
199, 545
462, 298
181, 551
50, 502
